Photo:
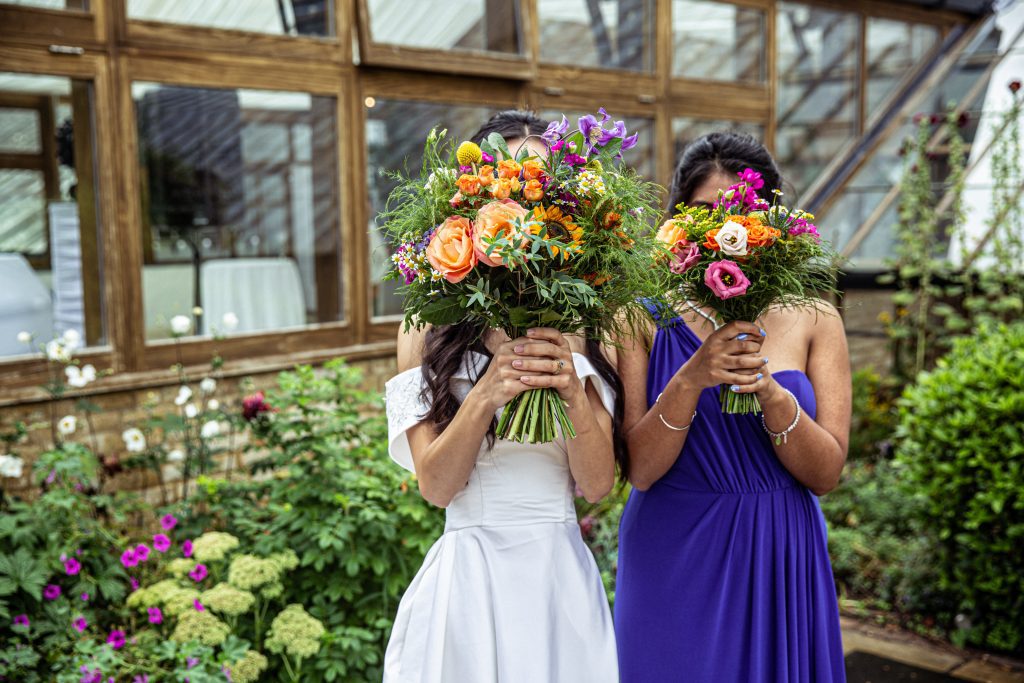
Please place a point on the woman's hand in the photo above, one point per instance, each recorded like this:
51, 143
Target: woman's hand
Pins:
540, 359
731, 355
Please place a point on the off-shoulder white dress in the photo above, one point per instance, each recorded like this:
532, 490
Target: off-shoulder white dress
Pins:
510, 593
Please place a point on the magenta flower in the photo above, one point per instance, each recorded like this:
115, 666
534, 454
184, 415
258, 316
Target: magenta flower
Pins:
85, 597
198, 573
686, 254
168, 522
80, 624
486, 158
116, 639
186, 548
142, 552
161, 543
155, 615
191, 662
129, 558
575, 160
72, 566
51, 592
141, 678
134, 583
751, 178
726, 279
255, 405
94, 676
22, 620
198, 605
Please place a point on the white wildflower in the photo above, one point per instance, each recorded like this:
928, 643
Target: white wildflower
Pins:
57, 351
67, 425
191, 410
177, 455
229, 321
180, 325
213, 404
208, 385
209, 429
24, 337
184, 396
72, 339
11, 466
134, 440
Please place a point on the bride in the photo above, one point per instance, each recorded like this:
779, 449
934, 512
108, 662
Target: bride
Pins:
509, 592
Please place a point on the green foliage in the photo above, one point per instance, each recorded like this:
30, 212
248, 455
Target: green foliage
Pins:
873, 418
961, 442
335, 498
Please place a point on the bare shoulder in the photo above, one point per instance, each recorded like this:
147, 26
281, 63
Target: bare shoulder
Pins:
410, 347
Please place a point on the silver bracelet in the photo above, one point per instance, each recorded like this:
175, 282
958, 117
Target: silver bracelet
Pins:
673, 427
780, 437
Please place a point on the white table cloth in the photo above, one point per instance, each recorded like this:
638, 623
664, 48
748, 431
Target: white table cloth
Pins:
265, 294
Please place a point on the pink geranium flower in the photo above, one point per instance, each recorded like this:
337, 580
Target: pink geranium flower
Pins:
51, 592
198, 573
198, 605
142, 552
186, 548
168, 522
22, 620
155, 615
116, 639
80, 624
134, 583
726, 279
72, 566
129, 558
161, 543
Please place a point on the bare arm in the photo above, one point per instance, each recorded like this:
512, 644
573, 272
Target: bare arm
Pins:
653, 446
815, 451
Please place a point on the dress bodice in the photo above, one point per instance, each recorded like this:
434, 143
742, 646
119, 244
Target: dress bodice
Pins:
512, 483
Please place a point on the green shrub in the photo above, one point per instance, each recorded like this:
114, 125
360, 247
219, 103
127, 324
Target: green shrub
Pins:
874, 416
961, 442
326, 488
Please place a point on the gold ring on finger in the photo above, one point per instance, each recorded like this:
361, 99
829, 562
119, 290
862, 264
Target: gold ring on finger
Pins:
559, 364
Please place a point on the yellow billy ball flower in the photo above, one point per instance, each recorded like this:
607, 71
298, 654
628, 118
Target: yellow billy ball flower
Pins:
468, 153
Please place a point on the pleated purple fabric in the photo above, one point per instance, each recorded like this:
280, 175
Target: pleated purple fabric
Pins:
723, 570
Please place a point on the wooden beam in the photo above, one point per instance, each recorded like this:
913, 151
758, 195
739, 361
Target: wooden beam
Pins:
85, 197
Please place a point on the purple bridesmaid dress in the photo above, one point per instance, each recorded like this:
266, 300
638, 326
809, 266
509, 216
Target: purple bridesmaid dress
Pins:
723, 573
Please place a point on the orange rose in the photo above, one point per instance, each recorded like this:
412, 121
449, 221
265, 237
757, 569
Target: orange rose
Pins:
671, 233
496, 219
451, 251
469, 185
759, 234
503, 187
486, 175
709, 240
533, 169
509, 168
533, 190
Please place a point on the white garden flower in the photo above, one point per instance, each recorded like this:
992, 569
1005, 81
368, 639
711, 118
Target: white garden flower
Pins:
180, 325
213, 404
191, 411
197, 311
177, 455
184, 395
209, 429
229, 321
24, 337
10, 466
208, 385
72, 339
67, 425
134, 440
732, 238
57, 351
89, 372
74, 376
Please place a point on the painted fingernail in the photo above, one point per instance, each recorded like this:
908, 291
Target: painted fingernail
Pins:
735, 387
525, 378
518, 349
763, 333
760, 376
766, 361
517, 363
741, 337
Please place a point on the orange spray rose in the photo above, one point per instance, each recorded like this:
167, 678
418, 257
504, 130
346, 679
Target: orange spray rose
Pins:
533, 190
496, 219
533, 169
486, 175
509, 168
469, 185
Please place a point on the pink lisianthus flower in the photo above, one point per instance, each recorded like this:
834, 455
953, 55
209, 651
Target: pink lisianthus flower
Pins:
168, 522
726, 279
155, 615
686, 254
80, 624
198, 573
51, 592
116, 639
161, 543
129, 558
186, 548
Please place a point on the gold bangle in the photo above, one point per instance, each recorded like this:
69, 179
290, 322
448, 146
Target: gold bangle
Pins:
673, 427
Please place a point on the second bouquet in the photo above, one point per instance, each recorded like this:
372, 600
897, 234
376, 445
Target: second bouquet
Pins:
513, 240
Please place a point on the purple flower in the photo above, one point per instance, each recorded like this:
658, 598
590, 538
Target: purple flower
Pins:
116, 639
168, 522
465, 169
22, 620
190, 662
557, 147
72, 566
94, 676
142, 552
85, 597
141, 678
752, 178
161, 543
630, 142
186, 548
198, 605
575, 160
555, 131
80, 624
155, 615
486, 158
134, 583
129, 558
51, 592
198, 573
51, 477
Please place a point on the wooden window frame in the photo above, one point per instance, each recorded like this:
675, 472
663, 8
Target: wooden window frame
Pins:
59, 29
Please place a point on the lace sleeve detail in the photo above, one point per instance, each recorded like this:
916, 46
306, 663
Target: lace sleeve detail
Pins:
586, 371
404, 409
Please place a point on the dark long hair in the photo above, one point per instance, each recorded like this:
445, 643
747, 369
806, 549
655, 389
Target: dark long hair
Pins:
446, 347
721, 152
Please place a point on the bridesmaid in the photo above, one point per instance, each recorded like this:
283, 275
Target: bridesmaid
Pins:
723, 568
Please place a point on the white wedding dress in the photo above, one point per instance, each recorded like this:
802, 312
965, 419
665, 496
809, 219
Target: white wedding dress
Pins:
510, 593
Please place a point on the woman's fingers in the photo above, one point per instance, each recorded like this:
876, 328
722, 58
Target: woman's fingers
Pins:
751, 361
549, 366
745, 384
738, 329
544, 349
549, 334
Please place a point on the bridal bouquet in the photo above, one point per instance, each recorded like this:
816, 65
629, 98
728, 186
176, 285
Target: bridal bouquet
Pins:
743, 256
500, 237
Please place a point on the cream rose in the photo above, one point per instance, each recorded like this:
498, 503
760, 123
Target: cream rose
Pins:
732, 239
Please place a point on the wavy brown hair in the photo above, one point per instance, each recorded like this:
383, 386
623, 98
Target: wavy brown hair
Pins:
447, 347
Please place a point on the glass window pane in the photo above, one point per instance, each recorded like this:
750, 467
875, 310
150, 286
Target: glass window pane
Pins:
241, 214
475, 25
279, 17
685, 130
894, 49
606, 34
395, 132
76, 5
718, 41
817, 89
49, 242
